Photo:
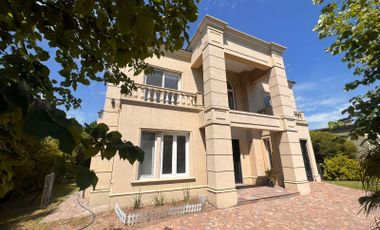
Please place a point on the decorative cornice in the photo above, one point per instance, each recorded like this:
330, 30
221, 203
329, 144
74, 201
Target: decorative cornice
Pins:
180, 54
229, 31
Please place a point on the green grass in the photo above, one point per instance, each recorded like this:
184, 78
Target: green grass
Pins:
22, 214
348, 184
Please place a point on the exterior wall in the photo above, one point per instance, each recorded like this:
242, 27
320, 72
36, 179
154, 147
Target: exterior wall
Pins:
211, 127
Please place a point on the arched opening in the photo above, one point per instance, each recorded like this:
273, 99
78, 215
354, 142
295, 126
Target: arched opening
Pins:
231, 96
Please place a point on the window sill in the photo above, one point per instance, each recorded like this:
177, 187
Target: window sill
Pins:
151, 181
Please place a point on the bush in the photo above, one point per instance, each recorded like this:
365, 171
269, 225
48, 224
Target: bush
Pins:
341, 167
327, 145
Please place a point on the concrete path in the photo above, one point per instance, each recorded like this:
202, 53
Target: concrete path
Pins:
70, 208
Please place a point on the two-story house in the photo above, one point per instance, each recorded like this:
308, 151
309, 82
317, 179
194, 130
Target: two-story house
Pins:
210, 117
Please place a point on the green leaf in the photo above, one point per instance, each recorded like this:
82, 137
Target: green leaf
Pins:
84, 7
144, 24
85, 178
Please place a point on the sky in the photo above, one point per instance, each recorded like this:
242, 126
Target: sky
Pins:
319, 76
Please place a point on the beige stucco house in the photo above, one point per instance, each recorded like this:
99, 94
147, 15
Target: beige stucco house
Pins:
210, 117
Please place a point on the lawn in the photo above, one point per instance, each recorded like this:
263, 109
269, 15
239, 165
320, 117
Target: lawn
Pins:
348, 184
25, 215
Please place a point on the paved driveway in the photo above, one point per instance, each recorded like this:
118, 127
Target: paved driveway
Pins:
327, 207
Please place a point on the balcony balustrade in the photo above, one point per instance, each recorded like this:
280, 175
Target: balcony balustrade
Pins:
165, 96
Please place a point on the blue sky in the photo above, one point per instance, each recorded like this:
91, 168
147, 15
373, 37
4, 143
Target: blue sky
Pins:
319, 76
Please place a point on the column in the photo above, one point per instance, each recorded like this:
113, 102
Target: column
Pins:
220, 170
288, 140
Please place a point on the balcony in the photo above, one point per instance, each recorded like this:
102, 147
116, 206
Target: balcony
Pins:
243, 119
165, 97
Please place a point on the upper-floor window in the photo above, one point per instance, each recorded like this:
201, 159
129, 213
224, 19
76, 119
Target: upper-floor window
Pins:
231, 96
163, 79
267, 100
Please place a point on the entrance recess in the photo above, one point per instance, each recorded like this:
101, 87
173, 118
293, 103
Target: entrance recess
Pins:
237, 162
306, 160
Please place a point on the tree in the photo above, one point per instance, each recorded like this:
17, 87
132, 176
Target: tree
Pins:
91, 41
355, 25
327, 145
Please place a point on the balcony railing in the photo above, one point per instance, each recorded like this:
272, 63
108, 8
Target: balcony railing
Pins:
299, 116
165, 96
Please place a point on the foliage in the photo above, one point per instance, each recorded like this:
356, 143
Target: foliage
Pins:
272, 176
158, 199
91, 41
327, 145
137, 200
186, 195
341, 167
371, 180
355, 25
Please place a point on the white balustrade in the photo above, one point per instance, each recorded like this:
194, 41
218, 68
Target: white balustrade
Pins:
165, 96
299, 116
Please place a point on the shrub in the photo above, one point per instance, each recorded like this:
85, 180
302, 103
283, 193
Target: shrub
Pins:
158, 199
272, 176
137, 200
327, 145
341, 167
186, 195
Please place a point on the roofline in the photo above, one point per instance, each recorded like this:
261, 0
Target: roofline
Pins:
221, 25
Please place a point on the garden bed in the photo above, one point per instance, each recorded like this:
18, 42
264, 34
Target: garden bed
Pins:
149, 213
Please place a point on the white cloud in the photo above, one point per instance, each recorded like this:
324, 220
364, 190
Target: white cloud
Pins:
320, 120
305, 86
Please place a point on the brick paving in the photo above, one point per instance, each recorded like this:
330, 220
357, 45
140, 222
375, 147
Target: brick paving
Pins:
263, 193
327, 207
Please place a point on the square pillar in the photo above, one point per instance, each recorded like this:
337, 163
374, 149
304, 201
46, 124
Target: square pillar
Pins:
287, 140
220, 169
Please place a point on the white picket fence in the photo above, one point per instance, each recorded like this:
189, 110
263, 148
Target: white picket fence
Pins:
120, 213
135, 218
186, 209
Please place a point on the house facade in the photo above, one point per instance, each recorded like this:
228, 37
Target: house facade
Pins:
209, 118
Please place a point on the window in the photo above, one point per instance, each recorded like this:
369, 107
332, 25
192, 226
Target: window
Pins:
163, 79
267, 101
174, 158
231, 96
148, 144
174, 155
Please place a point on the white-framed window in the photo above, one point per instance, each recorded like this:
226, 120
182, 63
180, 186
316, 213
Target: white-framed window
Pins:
164, 79
148, 145
174, 154
231, 96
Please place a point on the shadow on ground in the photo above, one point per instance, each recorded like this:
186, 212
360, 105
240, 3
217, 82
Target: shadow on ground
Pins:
23, 214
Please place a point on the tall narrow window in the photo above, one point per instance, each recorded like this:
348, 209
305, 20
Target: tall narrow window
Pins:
174, 155
167, 155
231, 96
148, 141
181, 154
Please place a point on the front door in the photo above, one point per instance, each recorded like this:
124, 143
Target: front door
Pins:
237, 162
306, 160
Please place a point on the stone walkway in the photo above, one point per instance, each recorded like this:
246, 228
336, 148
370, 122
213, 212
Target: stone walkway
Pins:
70, 208
327, 207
